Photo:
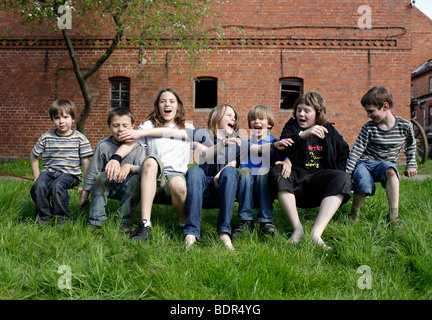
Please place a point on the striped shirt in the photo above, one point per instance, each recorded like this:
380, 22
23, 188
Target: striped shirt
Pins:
379, 145
63, 153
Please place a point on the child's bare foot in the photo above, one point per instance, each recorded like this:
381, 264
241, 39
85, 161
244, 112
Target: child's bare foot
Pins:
296, 236
320, 243
189, 241
226, 240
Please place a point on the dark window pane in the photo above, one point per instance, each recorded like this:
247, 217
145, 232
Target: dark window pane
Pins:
125, 86
291, 86
290, 90
115, 95
125, 95
206, 93
288, 99
115, 103
115, 86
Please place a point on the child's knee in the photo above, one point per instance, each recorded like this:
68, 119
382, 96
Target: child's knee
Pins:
177, 187
230, 173
150, 165
245, 173
101, 185
391, 173
39, 186
101, 180
194, 173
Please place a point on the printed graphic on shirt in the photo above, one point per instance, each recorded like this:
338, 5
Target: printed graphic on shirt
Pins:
314, 153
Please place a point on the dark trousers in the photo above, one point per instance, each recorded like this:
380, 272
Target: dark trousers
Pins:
51, 196
314, 187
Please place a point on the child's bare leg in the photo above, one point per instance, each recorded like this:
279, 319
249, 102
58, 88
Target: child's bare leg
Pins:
288, 203
328, 207
177, 187
392, 190
358, 201
148, 187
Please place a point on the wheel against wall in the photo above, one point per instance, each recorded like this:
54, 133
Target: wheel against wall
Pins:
421, 141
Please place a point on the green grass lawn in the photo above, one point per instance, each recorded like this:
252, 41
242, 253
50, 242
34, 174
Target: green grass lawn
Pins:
368, 260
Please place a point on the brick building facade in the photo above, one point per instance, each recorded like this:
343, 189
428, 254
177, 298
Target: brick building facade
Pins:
286, 46
421, 77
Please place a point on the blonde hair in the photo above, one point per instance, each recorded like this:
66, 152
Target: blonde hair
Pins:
314, 100
261, 112
215, 117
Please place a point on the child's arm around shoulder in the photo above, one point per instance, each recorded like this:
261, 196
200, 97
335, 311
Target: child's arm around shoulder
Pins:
132, 135
269, 147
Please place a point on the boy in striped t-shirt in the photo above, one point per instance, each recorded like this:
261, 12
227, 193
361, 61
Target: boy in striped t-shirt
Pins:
374, 155
63, 152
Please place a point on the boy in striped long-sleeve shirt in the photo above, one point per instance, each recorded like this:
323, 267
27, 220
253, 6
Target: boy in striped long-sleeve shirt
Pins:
63, 151
375, 153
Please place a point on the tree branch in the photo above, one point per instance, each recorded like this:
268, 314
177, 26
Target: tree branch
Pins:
109, 51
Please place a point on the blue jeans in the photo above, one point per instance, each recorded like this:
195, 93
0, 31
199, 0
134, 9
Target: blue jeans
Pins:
254, 192
367, 172
201, 193
51, 196
131, 198
102, 189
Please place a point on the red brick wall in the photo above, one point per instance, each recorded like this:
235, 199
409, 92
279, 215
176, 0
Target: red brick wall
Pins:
421, 87
422, 38
338, 63
421, 84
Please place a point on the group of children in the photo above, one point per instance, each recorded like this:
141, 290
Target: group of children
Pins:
310, 166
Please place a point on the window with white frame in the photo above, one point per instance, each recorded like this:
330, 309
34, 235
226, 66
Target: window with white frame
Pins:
290, 90
120, 92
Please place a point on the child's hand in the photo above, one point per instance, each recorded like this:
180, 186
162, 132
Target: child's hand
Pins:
112, 169
232, 140
124, 172
286, 167
80, 190
84, 202
315, 130
130, 135
282, 144
410, 172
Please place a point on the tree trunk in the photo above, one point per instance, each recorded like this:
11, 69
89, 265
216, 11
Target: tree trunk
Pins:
85, 90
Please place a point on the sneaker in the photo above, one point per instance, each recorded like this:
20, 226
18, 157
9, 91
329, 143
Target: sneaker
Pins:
141, 232
125, 226
267, 228
395, 224
353, 218
244, 225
